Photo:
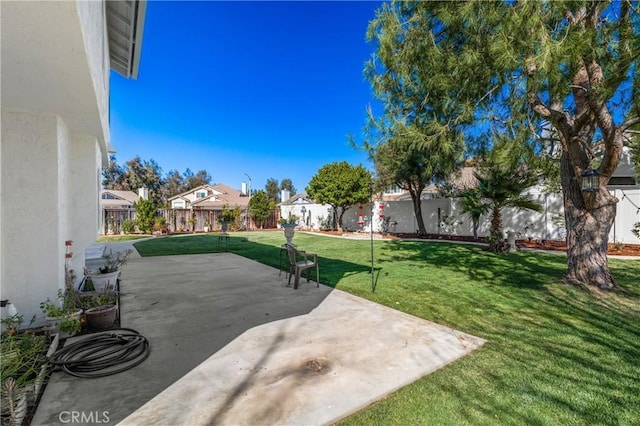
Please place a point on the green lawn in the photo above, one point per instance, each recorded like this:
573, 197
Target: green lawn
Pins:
556, 354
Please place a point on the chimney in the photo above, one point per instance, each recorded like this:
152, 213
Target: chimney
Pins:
143, 193
244, 189
285, 195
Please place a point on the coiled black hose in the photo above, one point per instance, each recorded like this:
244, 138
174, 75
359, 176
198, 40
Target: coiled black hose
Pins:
103, 354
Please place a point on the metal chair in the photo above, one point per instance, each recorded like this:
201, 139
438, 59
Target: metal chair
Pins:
308, 261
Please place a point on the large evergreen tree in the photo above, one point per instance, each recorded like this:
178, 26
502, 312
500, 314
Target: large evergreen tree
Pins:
272, 188
113, 175
574, 65
135, 174
192, 181
173, 184
287, 184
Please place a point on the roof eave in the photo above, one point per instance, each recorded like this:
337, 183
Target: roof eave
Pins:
125, 23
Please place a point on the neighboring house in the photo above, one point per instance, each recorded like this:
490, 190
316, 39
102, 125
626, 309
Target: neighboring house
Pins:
118, 206
199, 207
464, 179
56, 61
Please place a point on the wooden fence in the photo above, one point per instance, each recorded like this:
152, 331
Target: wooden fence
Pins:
112, 219
187, 220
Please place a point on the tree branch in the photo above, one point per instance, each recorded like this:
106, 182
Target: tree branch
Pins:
597, 104
624, 127
557, 118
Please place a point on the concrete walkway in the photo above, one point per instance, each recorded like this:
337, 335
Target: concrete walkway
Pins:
231, 344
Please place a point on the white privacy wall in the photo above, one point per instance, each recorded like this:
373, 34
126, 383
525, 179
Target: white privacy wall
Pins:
547, 224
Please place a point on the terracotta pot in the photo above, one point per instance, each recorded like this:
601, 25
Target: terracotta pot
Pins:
101, 317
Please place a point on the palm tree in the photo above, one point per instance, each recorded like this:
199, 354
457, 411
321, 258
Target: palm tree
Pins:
472, 204
500, 187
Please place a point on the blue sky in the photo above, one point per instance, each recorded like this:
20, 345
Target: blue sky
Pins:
271, 89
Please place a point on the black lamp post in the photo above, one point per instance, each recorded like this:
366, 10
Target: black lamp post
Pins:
590, 180
304, 211
371, 185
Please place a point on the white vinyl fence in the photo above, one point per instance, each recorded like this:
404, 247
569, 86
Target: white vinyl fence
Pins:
444, 216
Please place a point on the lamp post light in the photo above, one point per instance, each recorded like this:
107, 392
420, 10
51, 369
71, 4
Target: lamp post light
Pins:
589, 184
303, 210
590, 180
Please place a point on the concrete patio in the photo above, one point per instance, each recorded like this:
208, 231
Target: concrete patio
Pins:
231, 344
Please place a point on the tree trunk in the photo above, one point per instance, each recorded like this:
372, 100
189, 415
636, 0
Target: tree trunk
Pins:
334, 216
588, 218
496, 240
342, 210
476, 223
417, 209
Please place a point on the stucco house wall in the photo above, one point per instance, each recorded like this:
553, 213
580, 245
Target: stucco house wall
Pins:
55, 138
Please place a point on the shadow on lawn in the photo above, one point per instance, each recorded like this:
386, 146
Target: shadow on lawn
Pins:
574, 362
508, 269
556, 353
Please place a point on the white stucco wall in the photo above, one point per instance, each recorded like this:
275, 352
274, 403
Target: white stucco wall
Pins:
84, 196
92, 15
32, 255
313, 216
55, 60
55, 133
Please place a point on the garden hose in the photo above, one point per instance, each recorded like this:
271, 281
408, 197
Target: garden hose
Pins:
103, 354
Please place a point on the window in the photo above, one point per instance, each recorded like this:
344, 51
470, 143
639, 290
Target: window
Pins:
201, 194
622, 181
393, 190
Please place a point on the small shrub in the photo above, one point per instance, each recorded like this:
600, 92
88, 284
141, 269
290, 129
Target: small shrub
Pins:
128, 226
326, 223
159, 223
145, 215
636, 230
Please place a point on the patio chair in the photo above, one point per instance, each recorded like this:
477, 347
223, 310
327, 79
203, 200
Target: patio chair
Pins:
308, 261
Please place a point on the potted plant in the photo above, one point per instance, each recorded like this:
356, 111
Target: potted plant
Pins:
207, 226
63, 316
289, 224
100, 308
107, 275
